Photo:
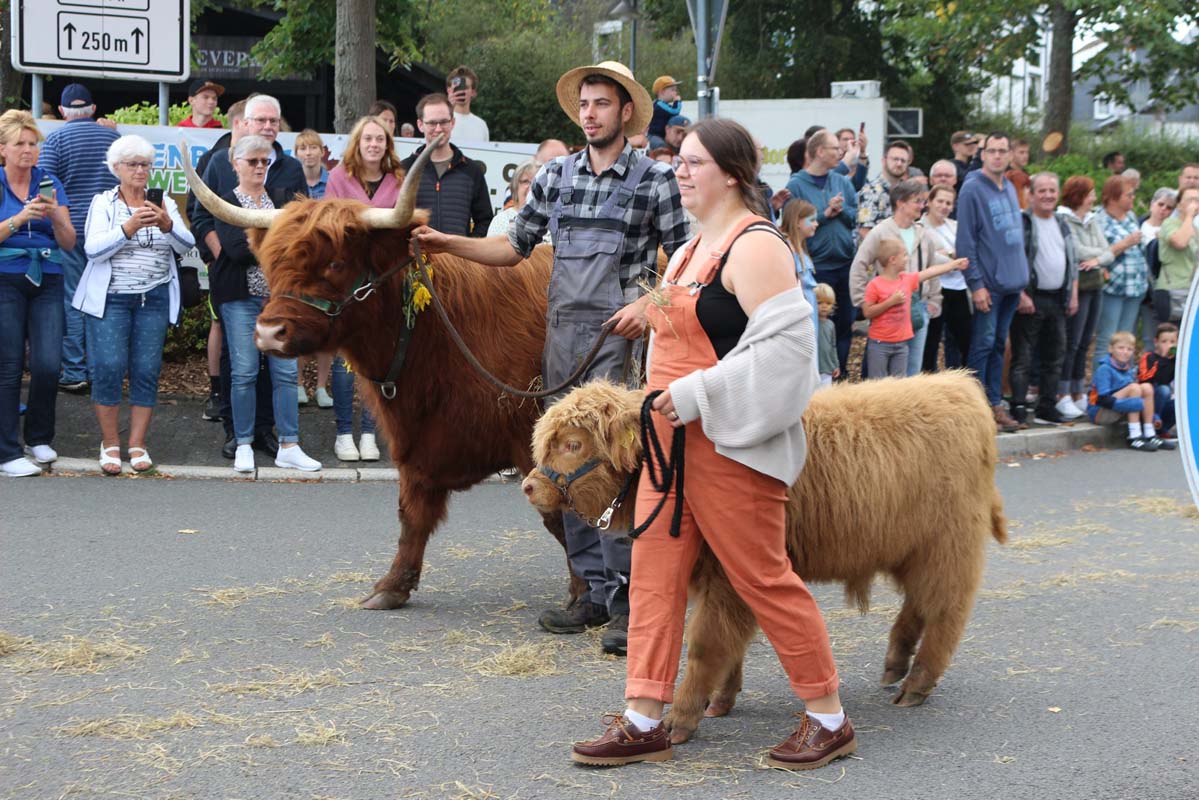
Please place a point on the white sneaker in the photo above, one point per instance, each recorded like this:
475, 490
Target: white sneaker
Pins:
1067, 409
41, 453
368, 448
243, 461
323, 398
344, 449
20, 468
301, 395
1081, 404
295, 458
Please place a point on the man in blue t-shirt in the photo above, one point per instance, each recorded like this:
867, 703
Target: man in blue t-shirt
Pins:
833, 247
76, 155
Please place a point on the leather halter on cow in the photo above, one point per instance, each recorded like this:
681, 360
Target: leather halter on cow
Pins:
338, 271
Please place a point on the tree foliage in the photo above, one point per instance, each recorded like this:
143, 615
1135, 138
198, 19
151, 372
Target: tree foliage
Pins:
304, 39
990, 35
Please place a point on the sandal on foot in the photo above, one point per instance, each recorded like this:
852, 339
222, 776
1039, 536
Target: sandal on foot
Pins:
107, 461
135, 459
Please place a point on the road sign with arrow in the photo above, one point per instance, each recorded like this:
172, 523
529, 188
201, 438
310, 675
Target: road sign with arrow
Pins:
132, 39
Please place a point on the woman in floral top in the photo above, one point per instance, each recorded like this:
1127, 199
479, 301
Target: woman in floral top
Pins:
240, 290
1128, 273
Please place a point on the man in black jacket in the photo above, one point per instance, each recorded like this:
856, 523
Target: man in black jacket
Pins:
284, 177
452, 187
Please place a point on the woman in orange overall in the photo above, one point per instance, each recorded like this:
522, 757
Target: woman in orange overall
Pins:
734, 354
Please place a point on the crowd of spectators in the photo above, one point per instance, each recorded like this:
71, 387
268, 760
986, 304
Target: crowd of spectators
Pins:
977, 264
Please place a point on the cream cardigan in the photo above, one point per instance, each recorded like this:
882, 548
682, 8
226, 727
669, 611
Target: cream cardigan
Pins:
751, 402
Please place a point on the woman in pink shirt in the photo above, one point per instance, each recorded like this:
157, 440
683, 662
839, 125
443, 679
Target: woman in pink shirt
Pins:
369, 171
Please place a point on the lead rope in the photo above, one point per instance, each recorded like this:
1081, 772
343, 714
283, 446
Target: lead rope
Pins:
662, 472
588, 360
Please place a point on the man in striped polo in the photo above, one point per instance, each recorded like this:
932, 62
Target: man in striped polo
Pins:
75, 154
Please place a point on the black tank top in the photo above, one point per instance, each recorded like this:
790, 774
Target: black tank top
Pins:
718, 311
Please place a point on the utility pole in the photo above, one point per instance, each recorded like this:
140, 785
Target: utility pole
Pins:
707, 21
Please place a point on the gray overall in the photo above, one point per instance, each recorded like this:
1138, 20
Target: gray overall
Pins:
585, 290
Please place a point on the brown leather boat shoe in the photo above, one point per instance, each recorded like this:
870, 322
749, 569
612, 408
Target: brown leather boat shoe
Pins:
812, 745
623, 743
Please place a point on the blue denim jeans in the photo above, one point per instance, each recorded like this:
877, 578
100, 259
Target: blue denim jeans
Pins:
916, 343
1115, 314
1163, 407
74, 355
238, 318
343, 401
128, 339
33, 313
988, 336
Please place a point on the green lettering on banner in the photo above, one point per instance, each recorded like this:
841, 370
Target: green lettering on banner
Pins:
178, 182
159, 179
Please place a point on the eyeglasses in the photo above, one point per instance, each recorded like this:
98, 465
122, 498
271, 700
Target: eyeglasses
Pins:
693, 163
264, 120
995, 151
438, 123
136, 165
256, 162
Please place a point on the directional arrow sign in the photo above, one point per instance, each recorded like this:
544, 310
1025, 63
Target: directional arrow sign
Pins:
103, 38
135, 39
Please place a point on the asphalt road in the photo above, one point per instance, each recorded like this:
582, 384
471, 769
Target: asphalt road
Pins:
171, 639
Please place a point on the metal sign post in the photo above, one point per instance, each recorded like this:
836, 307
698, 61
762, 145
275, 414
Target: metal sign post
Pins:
146, 40
1186, 401
707, 20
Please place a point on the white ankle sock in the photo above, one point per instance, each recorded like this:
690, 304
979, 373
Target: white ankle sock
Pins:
1148, 431
1134, 430
829, 721
644, 724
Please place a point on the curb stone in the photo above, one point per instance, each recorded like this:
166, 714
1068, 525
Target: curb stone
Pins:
1022, 444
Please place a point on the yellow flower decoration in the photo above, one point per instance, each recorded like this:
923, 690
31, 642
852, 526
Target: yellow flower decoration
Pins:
421, 298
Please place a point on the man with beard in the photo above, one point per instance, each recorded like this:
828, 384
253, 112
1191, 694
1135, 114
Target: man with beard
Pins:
608, 209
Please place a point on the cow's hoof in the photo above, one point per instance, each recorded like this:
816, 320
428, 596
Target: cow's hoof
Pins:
907, 699
718, 707
386, 601
892, 676
679, 732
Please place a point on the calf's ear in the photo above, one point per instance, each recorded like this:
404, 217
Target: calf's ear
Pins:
621, 443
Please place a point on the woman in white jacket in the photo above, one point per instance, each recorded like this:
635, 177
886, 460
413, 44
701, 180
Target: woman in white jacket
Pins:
130, 294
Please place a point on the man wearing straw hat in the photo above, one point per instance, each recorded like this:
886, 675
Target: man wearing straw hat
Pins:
608, 209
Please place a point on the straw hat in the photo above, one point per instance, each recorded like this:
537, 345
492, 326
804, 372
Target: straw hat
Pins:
643, 107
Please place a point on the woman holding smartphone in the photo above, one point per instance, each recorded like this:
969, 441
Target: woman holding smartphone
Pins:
129, 293
34, 228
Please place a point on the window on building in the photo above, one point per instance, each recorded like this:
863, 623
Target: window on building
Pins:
1104, 108
1034, 91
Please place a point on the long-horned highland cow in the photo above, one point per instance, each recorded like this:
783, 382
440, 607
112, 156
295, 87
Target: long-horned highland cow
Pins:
341, 279
899, 480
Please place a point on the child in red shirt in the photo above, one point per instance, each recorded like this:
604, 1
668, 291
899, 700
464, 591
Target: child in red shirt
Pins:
888, 306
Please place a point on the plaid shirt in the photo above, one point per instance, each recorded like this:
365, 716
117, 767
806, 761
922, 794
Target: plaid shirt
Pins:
1130, 271
653, 217
874, 203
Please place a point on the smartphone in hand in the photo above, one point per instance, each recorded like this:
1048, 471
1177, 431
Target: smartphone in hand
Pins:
46, 189
154, 196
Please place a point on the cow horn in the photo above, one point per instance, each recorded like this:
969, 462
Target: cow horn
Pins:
221, 209
401, 215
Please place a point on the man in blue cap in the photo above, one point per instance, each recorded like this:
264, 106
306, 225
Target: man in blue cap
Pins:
75, 154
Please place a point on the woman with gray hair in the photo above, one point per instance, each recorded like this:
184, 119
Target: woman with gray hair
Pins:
522, 179
1160, 207
129, 294
239, 290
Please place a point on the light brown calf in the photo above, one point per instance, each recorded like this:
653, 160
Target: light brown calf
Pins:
899, 480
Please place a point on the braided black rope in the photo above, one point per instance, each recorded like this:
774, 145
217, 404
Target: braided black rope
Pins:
662, 471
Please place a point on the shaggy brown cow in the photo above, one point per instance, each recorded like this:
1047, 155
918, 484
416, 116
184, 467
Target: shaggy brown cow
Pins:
900, 480
448, 429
